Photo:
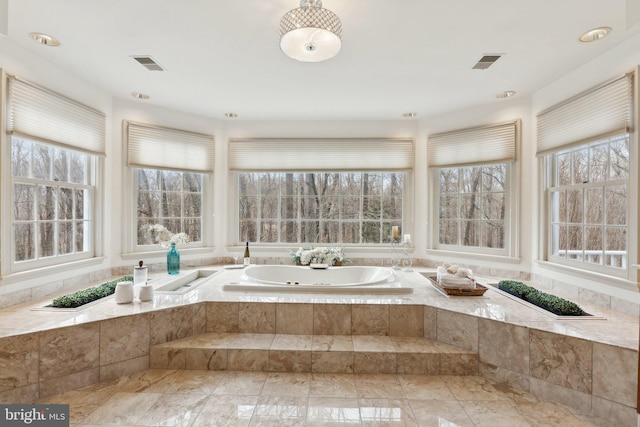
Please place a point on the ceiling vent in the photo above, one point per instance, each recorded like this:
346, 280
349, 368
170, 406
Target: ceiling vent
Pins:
486, 61
149, 63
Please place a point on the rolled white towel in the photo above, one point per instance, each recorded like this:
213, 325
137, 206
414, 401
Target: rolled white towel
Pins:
450, 281
464, 272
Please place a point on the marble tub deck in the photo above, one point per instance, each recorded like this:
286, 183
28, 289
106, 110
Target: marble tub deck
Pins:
593, 369
618, 329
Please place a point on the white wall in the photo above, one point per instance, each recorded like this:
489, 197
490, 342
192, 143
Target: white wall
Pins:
222, 132
623, 58
615, 62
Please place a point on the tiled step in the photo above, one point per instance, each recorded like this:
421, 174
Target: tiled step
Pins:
314, 353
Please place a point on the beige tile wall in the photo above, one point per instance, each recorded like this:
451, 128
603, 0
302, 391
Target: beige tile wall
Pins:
54, 361
594, 378
585, 375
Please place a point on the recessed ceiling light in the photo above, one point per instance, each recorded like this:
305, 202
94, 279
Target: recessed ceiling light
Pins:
45, 39
506, 94
231, 115
139, 95
595, 34
409, 114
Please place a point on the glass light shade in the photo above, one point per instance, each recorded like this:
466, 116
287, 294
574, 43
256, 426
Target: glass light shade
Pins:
310, 33
310, 44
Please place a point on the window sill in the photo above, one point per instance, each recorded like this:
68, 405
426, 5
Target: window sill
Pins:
353, 253
285, 248
618, 282
162, 252
473, 256
47, 271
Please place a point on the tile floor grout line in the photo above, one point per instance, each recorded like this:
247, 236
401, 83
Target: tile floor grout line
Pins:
433, 383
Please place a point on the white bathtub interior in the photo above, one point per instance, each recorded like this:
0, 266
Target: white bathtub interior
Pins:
347, 279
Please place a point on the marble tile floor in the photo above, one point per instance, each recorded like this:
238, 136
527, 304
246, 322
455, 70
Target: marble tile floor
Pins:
157, 397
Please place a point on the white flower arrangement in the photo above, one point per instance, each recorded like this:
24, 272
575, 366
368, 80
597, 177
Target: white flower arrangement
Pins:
319, 255
167, 238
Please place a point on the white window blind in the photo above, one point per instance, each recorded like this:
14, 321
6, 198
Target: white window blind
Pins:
479, 145
596, 113
41, 114
165, 148
301, 155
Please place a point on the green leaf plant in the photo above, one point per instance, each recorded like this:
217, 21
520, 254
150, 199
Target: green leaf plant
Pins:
552, 303
85, 296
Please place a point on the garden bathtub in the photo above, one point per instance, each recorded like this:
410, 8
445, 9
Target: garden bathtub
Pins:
288, 278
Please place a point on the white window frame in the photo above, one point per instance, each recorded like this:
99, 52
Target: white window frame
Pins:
206, 225
405, 227
495, 143
190, 147
510, 249
578, 131
92, 178
88, 136
320, 155
131, 249
549, 169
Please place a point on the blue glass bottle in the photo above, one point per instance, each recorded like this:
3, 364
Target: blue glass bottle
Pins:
173, 260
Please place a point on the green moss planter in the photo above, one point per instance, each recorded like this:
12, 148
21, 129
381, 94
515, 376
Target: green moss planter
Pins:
85, 296
556, 305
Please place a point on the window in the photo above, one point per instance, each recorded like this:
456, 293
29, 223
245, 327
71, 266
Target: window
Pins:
588, 198
171, 198
473, 206
584, 148
170, 172
332, 190
52, 194
55, 147
320, 207
472, 174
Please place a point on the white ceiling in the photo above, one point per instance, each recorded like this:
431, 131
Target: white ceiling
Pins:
397, 55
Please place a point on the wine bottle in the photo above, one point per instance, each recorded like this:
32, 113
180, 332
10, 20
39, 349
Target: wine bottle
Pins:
247, 257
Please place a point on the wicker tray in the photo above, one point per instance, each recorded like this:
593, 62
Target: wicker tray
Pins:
479, 290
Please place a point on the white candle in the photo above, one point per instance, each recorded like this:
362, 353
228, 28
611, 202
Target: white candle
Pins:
394, 232
407, 238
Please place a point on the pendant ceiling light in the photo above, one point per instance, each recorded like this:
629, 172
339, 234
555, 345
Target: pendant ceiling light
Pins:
310, 33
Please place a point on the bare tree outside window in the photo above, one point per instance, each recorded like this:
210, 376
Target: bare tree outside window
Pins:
52, 198
472, 206
172, 199
322, 207
588, 197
